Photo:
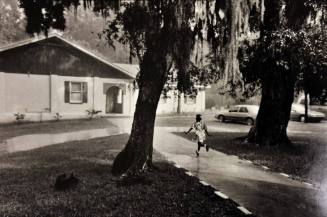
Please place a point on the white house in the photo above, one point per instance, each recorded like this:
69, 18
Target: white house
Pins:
171, 103
47, 76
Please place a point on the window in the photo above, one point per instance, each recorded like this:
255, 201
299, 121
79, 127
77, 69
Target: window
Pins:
243, 109
233, 109
120, 96
75, 92
190, 99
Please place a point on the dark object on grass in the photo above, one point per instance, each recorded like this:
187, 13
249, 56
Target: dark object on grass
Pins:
63, 182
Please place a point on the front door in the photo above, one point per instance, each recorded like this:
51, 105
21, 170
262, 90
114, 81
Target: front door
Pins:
114, 100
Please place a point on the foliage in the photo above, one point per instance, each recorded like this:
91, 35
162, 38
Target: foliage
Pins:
57, 116
43, 15
19, 117
129, 27
134, 23
312, 56
11, 24
92, 112
301, 54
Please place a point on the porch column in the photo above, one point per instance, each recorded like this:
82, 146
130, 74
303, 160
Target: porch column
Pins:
98, 97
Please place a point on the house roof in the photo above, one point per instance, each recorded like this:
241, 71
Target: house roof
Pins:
132, 69
111, 67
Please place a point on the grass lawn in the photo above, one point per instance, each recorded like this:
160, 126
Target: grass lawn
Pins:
306, 161
27, 185
63, 126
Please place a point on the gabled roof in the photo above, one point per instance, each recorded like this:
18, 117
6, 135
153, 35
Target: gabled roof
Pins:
77, 47
132, 69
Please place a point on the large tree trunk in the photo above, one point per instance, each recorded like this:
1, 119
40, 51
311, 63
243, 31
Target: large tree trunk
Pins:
137, 153
277, 89
162, 44
274, 113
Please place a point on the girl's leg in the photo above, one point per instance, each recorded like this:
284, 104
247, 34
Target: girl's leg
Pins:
200, 144
207, 146
199, 147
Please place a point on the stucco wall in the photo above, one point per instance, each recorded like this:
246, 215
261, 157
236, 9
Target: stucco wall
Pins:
24, 93
100, 94
171, 104
30, 94
96, 95
58, 92
168, 105
198, 106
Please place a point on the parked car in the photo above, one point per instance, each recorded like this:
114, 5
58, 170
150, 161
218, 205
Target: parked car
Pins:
315, 106
239, 113
298, 114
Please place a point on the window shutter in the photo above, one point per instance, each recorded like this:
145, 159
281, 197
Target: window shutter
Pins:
67, 91
84, 92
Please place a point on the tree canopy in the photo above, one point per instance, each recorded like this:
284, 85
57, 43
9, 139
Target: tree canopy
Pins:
12, 23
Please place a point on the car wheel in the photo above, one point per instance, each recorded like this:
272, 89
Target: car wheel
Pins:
249, 121
302, 118
221, 118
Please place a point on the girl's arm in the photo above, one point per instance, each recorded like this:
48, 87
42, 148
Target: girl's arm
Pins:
186, 132
206, 130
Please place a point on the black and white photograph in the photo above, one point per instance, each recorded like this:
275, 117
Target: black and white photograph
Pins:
163, 108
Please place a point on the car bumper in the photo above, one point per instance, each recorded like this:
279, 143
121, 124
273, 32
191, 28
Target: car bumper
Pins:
310, 118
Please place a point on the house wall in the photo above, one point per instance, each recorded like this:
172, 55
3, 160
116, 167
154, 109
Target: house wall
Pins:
31, 95
24, 93
96, 95
171, 103
58, 92
198, 106
100, 94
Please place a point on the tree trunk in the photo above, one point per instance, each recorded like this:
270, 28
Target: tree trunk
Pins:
277, 90
179, 102
137, 153
274, 113
160, 42
305, 106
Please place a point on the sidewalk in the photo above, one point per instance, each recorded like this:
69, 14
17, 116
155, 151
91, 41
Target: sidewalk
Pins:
264, 193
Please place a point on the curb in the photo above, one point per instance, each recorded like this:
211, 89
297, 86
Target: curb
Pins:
314, 186
216, 192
